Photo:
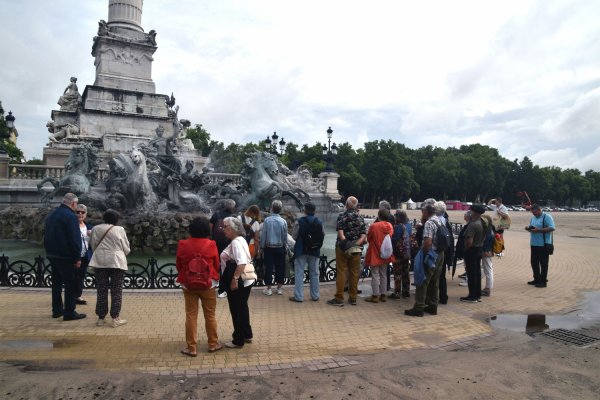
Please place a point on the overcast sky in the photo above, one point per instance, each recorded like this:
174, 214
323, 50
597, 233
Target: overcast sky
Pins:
520, 76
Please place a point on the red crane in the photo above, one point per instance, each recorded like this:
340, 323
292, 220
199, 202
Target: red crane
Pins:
525, 200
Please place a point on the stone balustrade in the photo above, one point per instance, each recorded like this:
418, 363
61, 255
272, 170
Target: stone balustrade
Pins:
38, 172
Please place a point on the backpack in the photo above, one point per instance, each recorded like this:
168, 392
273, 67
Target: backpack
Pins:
313, 237
218, 234
248, 228
498, 245
414, 245
442, 238
385, 251
198, 274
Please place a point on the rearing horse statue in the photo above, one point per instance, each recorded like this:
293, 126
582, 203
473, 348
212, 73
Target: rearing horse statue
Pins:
261, 171
80, 174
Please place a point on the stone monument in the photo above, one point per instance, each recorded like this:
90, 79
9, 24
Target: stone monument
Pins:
121, 110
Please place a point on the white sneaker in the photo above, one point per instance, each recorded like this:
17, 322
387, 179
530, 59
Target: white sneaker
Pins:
464, 282
222, 295
100, 322
279, 291
118, 322
267, 292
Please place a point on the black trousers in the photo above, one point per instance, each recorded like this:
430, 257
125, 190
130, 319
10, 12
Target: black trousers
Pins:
443, 285
63, 274
473, 267
240, 313
539, 263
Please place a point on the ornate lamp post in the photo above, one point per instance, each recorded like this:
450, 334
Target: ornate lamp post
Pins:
271, 144
10, 121
329, 151
5, 136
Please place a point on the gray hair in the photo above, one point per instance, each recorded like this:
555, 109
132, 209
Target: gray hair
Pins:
440, 208
276, 206
235, 224
385, 204
70, 198
430, 201
351, 202
82, 207
229, 204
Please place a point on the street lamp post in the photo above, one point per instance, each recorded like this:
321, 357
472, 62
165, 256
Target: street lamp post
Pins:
5, 136
329, 151
271, 144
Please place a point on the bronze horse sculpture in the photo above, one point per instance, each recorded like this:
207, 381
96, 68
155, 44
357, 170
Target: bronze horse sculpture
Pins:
261, 172
80, 174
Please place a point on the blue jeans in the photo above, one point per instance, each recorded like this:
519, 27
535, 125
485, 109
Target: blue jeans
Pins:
313, 274
63, 273
274, 258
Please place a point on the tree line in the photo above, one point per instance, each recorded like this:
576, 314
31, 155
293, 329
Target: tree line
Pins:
384, 169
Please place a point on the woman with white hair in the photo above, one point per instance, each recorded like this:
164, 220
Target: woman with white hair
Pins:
233, 261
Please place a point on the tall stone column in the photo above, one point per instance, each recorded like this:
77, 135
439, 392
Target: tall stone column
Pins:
126, 14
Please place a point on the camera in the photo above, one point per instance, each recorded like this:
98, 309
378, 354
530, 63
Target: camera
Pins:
530, 227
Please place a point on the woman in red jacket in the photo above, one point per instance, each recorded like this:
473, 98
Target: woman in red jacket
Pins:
199, 244
373, 260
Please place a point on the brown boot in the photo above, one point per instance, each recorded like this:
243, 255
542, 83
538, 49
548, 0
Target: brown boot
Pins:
372, 299
382, 298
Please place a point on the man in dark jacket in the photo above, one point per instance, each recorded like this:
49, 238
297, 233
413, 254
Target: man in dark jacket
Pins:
62, 241
307, 256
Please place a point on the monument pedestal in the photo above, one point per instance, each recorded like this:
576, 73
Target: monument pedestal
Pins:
330, 180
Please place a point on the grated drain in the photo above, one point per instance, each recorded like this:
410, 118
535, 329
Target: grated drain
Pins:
570, 337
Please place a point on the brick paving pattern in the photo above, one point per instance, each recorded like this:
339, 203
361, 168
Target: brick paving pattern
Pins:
288, 335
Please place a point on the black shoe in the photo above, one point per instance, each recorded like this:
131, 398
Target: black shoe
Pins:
431, 310
80, 302
413, 313
335, 302
533, 282
445, 301
468, 299
352, 302
293, 298
57, 315
74, 317
540, 285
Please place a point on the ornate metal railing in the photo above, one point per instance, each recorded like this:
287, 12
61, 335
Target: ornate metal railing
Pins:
23, 273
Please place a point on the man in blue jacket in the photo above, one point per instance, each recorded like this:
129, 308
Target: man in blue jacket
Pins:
62, 241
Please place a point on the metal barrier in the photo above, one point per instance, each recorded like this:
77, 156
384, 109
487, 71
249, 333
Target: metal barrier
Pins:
23, 273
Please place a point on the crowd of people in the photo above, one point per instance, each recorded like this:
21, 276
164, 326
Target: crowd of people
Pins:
218, 258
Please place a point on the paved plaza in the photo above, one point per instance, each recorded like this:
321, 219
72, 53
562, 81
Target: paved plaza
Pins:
309, 335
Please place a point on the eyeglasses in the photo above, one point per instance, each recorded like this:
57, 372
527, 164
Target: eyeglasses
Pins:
80, 212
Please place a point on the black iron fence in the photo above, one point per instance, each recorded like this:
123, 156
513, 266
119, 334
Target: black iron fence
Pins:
23, 273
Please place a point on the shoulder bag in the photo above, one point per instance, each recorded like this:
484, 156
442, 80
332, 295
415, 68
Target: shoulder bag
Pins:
548, 246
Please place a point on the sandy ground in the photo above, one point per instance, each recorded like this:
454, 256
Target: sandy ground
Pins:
506, 365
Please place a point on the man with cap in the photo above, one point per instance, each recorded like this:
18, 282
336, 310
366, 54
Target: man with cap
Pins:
473, 250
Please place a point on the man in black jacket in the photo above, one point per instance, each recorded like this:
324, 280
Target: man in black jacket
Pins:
62, 241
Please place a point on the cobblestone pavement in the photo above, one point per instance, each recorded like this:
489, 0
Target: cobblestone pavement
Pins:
288, 334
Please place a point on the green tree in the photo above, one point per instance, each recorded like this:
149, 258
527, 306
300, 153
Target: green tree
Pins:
200, 137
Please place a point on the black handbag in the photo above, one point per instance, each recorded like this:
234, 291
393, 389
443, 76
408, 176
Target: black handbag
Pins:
227, 276
548, 246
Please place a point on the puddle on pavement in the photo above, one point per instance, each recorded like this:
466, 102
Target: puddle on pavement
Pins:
586, 314
34, 344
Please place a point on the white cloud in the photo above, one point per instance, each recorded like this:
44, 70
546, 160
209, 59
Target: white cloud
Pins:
521, 76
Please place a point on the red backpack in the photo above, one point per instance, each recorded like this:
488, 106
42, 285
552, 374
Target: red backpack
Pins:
198, 274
